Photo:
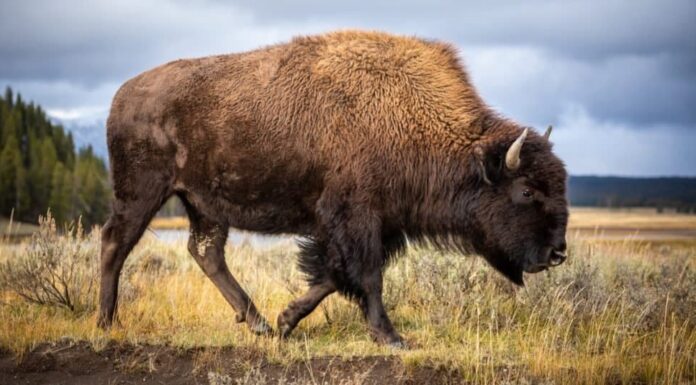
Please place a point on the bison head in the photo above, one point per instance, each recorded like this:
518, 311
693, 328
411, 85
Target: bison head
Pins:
521, 211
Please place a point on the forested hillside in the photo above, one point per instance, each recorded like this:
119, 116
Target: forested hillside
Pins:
40, 168
666, 192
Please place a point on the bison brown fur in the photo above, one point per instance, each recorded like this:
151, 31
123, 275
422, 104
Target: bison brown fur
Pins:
355, 141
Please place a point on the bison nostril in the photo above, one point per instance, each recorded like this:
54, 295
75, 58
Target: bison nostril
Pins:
557, 257
560, 246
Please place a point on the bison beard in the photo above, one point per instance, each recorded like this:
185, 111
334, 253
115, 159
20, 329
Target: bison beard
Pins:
354, 141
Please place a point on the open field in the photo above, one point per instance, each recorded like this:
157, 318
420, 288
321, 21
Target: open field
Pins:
635, 218
635, 224
13, 229
619, 311
585, 222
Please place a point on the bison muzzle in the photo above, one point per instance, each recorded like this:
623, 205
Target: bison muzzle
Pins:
355, 141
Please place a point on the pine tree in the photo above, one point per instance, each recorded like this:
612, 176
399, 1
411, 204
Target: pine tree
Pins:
38, 184
9, 127
93, 192
70, 151
22, 201
11, 178
47, 163
4, 112
9, 98
59, 200
39, 167
69, 195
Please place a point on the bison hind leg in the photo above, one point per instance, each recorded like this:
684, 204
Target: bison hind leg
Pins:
127, 223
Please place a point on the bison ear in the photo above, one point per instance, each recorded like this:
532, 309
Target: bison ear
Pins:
488, 165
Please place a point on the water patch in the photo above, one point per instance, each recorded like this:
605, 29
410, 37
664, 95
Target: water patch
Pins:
237, 238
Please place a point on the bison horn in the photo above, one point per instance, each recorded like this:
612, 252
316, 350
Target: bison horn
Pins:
512, 158
547, 134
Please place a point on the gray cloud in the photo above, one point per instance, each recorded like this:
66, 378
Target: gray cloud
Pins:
577, 27
629, 67
589, 146
533, 84
122, 31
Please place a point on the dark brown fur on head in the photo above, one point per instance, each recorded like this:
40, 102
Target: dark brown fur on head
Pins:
475, 204
522, 214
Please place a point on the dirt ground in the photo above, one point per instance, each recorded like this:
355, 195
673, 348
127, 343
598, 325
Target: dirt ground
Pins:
78, 363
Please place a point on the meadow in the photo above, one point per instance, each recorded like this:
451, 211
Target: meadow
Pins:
620, 311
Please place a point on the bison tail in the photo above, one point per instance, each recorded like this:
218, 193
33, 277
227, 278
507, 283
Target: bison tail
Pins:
312, 260
320, 267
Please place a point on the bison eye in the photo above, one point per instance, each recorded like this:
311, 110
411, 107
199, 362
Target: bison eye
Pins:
527, 193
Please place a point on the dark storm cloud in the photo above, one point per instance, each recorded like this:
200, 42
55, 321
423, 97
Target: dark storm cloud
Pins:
535, 84
94, 41
626, 66
576, 27
582, 29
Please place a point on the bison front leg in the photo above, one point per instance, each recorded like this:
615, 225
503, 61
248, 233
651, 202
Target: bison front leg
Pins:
206, 245
357, 256
372, 307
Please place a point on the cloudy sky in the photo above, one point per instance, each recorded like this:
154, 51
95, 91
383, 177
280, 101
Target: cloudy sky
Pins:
617, 78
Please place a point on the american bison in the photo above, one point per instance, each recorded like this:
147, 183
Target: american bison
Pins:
355, 141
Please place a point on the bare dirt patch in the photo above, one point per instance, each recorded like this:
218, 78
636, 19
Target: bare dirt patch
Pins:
79, 363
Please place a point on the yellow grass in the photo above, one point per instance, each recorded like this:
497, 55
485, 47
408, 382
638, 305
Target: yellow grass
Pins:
580, 218
618, 312
637, 219
10, 228
170, 223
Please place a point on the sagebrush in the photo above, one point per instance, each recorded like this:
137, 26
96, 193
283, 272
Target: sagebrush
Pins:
56, 268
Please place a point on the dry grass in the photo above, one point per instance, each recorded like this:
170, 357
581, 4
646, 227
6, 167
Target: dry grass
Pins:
580, 218
637, 219
55, 269
619, 312
10, 228
170, 223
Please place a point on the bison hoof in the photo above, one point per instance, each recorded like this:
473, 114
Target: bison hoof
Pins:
261, 328
284, 327
103, 324
398, 345
392, 340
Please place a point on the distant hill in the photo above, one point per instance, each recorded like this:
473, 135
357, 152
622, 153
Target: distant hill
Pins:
667, 192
